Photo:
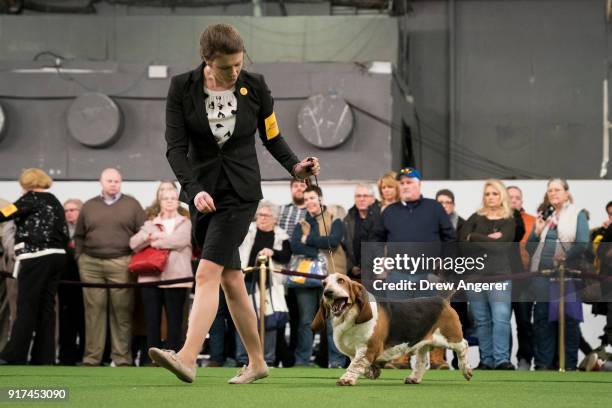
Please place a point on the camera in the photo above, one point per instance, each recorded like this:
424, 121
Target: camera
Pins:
548, 211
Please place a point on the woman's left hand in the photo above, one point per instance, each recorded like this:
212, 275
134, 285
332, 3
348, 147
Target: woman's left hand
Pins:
495, 235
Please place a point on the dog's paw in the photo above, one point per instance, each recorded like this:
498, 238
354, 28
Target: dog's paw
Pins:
345, 381
373, 372
468, 373
411, 380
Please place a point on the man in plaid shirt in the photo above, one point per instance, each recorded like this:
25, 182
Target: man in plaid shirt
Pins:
292, 213
289, 215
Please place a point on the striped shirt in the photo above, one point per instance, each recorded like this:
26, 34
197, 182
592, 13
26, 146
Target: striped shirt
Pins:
289, 216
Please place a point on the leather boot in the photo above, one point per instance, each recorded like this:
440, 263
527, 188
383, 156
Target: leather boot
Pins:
437, 359
402, 362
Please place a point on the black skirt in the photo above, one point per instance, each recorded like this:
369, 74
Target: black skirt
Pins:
221, 232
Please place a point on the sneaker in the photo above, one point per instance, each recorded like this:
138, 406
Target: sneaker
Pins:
169, 360
506, 365
246, 376
483, 366
523, 365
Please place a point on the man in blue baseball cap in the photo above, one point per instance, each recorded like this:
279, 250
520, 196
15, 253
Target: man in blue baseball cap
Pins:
414, 218
410, 184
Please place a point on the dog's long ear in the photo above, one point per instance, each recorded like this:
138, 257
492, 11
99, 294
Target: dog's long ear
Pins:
361, 299
318, 324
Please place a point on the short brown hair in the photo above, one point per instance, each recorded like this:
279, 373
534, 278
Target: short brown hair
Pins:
219, 39
74, 201
314, 188
446, 192
33, 178
297, 180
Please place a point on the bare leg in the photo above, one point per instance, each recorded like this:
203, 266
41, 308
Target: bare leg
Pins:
203, 311
243, 315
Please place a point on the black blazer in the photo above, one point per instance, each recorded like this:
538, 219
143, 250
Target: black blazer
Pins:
192, 151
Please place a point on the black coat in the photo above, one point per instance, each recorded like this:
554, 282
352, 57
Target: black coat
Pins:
193, 152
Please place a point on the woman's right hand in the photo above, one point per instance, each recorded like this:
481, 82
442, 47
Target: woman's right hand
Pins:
204, 202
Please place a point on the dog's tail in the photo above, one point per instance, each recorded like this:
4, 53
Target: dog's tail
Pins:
448, 294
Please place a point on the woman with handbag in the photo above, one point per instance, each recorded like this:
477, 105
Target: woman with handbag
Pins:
561, 234
265, 238
169, 233
311, 245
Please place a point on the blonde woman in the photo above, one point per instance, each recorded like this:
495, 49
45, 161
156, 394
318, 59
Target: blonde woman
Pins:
41, 239
153, 210
492, 225
388, 188
561, 232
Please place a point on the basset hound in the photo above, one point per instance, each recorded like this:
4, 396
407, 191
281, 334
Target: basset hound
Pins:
372, 333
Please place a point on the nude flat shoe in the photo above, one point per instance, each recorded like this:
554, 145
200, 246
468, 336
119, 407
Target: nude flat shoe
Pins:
247, 376
171, 362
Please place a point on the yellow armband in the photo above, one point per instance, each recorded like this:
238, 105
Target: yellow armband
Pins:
271, 127
8, 210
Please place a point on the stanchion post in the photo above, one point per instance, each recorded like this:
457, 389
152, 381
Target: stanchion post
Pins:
562, 317
262, 260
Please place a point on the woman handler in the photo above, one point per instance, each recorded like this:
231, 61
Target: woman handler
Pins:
212, 114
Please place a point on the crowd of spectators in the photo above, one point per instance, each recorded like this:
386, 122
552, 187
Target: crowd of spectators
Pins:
44, 242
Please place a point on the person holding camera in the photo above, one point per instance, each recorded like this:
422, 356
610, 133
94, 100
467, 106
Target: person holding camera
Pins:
561, 232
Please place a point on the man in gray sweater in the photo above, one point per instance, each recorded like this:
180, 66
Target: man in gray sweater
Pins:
103, 231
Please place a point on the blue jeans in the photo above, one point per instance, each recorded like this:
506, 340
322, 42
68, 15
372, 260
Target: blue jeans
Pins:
308, 304
545, 333
546, 339
491, 311
269, 349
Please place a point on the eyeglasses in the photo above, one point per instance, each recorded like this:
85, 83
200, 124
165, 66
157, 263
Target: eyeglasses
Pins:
264, 215
363, 195
71, 209
445, 202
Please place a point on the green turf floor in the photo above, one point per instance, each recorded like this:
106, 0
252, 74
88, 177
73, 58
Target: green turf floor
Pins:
312, 388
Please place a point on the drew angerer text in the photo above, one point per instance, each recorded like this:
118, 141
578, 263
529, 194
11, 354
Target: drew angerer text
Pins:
424, 284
